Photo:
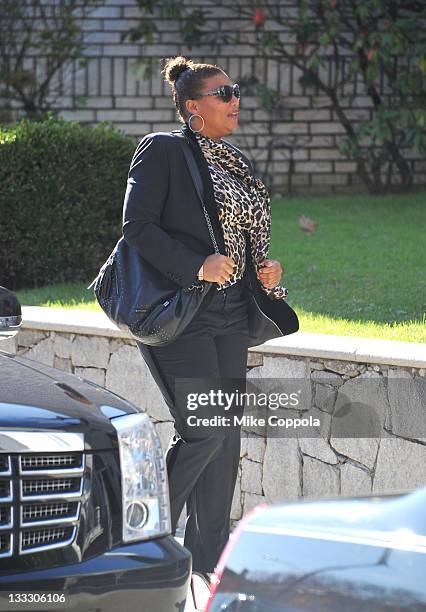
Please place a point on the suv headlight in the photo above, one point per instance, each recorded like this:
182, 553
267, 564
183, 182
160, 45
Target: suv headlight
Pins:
145, 495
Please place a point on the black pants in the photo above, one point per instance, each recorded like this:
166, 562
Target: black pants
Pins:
202, 472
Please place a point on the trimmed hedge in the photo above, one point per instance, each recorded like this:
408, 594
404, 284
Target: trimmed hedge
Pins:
61, 194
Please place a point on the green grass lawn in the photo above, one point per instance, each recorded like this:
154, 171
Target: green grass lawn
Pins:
362, 273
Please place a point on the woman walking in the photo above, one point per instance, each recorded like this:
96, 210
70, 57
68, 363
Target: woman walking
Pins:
163, 219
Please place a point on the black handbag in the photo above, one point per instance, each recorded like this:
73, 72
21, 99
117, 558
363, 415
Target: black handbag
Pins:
137, 297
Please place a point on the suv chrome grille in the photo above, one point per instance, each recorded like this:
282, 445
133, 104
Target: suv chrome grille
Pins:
43, 487
4, 464
54, 462
5, 490
52, 512
5, 517
39, 539
5, 544
40, 493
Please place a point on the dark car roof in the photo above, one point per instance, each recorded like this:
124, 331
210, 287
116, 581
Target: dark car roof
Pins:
371, 517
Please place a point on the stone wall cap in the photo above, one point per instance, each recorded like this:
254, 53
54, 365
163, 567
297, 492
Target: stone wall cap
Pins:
70, 321
348, 348
302, 344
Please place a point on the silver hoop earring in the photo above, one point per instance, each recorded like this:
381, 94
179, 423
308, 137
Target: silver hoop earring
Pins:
189, 123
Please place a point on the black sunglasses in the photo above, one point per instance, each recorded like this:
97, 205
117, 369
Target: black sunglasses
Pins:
225, 92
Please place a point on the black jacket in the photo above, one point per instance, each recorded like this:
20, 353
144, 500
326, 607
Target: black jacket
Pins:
163, 218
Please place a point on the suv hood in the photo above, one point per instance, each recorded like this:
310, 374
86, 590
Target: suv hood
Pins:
37, 397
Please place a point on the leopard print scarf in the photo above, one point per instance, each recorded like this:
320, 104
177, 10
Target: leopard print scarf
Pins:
243, 205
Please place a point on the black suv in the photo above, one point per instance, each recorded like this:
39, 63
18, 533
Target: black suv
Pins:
84, 506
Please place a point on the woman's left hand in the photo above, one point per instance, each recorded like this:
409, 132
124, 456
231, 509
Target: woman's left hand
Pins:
269, 273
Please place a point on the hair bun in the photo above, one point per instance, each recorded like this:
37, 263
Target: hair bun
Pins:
174, 67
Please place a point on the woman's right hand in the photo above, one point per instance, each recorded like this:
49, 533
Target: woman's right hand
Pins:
218, 268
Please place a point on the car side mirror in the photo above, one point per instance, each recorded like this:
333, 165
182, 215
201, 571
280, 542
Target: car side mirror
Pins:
10, 314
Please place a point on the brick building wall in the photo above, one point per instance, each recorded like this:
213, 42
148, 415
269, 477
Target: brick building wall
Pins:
113, 90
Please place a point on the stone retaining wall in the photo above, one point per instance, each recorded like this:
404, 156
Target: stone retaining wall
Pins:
272, 469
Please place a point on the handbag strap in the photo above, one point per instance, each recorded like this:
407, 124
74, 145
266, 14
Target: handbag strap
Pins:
196, 177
